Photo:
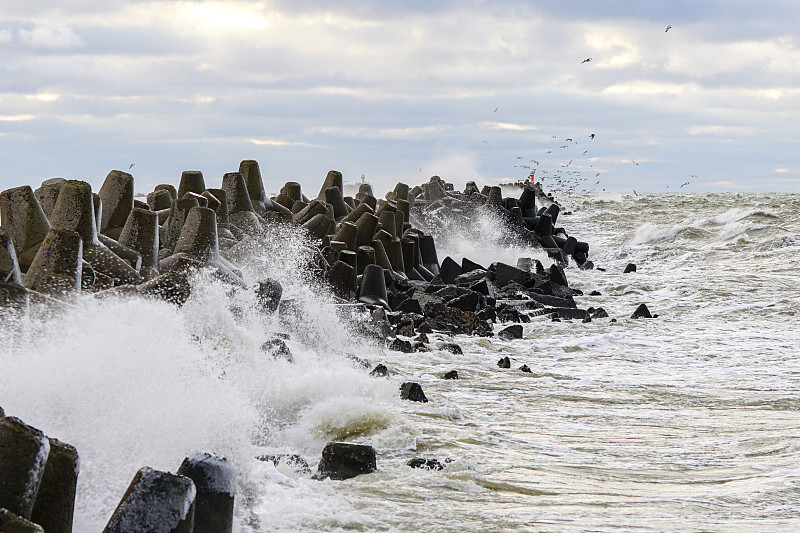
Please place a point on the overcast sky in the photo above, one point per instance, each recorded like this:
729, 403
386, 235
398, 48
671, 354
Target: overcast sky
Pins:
404, 90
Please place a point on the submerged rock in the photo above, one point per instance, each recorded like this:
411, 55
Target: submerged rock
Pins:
293, 461
504, 362
427, 464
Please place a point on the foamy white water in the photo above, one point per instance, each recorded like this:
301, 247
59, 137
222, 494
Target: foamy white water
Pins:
688, 422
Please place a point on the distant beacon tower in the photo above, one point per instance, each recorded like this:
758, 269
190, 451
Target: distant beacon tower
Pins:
363, 178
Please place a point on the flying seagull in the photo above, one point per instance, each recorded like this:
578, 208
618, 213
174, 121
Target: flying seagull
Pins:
682, 184
591, 136
586, 60
495, 110
131, 166
668, 28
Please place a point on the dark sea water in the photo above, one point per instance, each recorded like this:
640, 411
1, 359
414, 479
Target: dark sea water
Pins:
687, 422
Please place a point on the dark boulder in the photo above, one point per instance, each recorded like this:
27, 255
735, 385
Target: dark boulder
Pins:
268, 295
511, 332
342, 460
452, 374
468, 266
278, 349
630, 267
506, 273
449, 270
504, 362
400, 345
642, 312
413, 392
409, 305
466, 302
525, 368
380, 371
452, 348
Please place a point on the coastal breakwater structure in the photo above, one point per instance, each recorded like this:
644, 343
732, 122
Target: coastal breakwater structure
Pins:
373, 254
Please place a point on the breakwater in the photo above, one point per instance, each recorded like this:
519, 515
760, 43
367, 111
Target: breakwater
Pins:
376, 256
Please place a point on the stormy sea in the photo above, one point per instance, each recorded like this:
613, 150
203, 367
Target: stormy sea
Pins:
689, 421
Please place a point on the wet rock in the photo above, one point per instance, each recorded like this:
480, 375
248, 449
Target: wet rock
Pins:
595, 293
456, 321
452, 374
409, 305
642, 312
452, 348
427, 464
268, 295
342, 460
471, 277
525, 368
630, 267
597, 313
12, 523
511, 332
468, 266
278, 349
466, 302
504, 274
449, 270
568, 313
400, 345
380, 371
413, 392
556, 275
405, 327
422, 337
293, 461
504, 362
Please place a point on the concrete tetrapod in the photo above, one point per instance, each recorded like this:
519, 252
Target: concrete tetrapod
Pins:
240, 207
55, 501
198, 246
74, 211
56, 269
141, 234
255, 188
155, 502
160, 199
177, 216
332, 179
373, 287
366, 224
191, 181
215, 481
47, 194
334, 197
9, 267
23, 455
117, 196
24, 221
11, 523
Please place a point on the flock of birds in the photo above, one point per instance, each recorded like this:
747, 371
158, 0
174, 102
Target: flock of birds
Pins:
568, 178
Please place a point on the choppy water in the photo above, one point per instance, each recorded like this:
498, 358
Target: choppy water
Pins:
689, 422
